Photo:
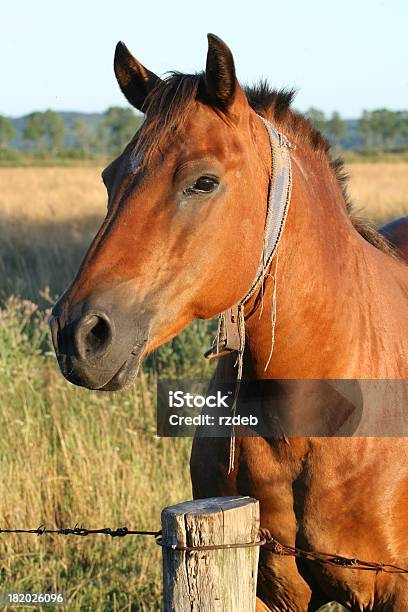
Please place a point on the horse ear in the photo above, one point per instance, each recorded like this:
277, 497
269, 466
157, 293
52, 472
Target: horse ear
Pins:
134, 79
220, 79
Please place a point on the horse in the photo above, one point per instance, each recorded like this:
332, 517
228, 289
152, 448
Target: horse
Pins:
182, 240
396, 232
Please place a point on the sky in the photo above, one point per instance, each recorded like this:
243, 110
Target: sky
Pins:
346, 56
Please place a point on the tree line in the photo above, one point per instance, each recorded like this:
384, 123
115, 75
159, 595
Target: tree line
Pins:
47, 133
378, 129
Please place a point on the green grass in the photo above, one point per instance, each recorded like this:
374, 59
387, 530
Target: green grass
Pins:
15, 158
51, 162
371, 156
70, 456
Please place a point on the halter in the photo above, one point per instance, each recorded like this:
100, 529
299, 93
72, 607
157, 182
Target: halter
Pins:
231, 324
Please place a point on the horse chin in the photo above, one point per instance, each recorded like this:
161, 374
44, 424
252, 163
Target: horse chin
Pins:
125, 376
96, 380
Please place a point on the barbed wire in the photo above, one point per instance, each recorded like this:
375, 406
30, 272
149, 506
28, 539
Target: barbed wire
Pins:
83, 531
265, 539
277, 548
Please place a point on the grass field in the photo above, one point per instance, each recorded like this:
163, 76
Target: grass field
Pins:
380, 189
72, 456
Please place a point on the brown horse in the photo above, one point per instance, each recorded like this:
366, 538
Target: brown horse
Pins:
396, 232
182, 239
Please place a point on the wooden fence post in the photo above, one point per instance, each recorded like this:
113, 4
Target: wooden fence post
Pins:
215, 580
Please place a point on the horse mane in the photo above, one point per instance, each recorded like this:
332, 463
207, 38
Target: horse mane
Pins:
167, 105
277, 105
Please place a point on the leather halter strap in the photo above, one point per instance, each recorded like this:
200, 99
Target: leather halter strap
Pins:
229, 336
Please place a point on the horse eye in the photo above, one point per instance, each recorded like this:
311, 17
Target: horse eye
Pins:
204, 184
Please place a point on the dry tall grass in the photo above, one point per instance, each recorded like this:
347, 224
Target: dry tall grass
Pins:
47, 219
50, 194
380, 189
68, 455
53, 195
71, 456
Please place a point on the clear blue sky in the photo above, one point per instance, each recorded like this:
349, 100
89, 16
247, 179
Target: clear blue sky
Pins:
347, 56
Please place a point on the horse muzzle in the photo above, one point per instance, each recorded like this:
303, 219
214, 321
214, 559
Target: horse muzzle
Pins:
97, 345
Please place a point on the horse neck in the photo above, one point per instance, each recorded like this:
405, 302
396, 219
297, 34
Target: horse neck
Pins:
327, 288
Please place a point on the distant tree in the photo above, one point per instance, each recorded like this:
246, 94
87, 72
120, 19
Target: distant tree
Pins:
365, 127
7, 132
45, 130
384, 124
317, 117
34, 130
121, 125
55, 127
403, 125
101, 140
336, 127
84, 136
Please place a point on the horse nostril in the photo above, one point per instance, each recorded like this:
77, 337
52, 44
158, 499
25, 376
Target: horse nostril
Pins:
98, 335
94, 336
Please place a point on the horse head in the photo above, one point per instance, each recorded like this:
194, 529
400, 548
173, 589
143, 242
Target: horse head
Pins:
180, 239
